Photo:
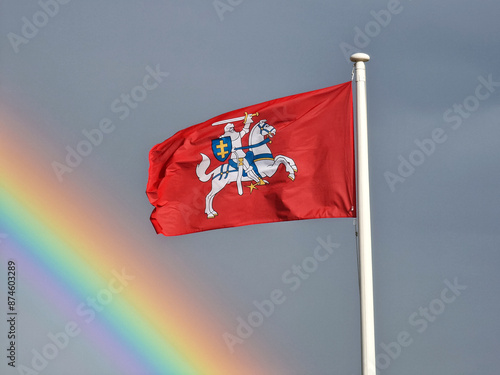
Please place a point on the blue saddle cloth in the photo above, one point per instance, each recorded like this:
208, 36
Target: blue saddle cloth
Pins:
232, 166
250, 159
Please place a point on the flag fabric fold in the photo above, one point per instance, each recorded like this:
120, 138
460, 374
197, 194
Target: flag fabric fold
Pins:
290, 158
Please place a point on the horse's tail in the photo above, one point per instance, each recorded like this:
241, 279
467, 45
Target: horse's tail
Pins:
202, 168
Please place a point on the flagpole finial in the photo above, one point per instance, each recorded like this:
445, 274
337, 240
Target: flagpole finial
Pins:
360, 57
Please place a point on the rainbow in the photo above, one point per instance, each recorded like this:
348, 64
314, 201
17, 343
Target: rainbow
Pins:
69, 241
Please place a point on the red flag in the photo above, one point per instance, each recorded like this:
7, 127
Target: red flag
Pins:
286, 159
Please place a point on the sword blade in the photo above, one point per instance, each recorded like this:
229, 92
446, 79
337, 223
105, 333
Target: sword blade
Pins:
230, 120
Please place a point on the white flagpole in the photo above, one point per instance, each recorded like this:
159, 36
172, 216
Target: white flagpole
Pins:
364, 221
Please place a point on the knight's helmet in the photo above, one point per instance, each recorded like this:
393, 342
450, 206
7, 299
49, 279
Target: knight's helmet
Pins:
229, 127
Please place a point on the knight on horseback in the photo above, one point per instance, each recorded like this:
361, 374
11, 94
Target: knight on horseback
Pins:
253, 165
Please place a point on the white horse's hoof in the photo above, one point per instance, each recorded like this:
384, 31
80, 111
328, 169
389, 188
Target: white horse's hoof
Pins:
295, 169
262, 182
210, 216
291, 177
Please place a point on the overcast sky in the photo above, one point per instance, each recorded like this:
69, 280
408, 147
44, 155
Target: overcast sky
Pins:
433, 92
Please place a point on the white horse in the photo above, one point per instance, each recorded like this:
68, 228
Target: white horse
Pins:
258, 152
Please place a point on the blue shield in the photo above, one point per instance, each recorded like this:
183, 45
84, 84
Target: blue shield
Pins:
221, 148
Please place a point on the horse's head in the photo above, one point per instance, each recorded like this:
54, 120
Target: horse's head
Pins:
264, 129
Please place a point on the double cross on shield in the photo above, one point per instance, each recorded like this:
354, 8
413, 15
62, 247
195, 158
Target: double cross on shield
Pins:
221, 148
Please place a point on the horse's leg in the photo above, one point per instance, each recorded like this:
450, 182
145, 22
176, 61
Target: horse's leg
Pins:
208, 205
266, 168
210, 195
217, 185
289, 164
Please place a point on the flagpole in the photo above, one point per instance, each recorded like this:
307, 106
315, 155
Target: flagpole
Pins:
364, 222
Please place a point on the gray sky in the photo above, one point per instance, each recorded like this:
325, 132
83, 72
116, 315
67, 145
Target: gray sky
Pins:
433, 93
